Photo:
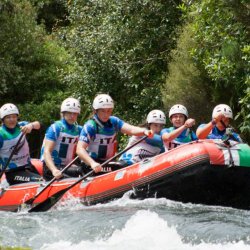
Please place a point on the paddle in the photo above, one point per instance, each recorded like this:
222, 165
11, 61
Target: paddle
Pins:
52, 200
30, 201
11, 155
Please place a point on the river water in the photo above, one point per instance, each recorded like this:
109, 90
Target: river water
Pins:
130, 225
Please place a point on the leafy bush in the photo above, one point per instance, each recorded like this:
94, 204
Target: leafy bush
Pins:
186, 84
221, 29
122, 48
31, 63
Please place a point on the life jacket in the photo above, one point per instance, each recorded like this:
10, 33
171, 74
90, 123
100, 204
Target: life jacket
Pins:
65, 145
185, 137
21, 157
215, 133
103, 145
143, 150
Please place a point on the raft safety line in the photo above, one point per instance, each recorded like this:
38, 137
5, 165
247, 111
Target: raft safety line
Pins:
146, 179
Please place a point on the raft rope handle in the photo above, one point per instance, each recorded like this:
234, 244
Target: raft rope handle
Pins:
228, 145
231, 160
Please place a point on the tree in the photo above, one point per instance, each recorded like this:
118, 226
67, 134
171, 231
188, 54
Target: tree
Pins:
32, 65
221, 30
31, 62
122, 48
53, 13
186, 84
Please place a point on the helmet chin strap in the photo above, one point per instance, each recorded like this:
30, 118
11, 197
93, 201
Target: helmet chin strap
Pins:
98, 122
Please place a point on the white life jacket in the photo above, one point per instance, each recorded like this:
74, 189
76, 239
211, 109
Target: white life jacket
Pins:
22, 155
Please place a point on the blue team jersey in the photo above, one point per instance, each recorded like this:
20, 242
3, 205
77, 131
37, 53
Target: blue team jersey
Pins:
185, 137
215, 133
101, 137
145, 149
65, 137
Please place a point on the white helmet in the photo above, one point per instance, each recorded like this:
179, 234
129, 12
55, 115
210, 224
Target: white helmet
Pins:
103, 101
71, 105
224, 109
178, 109
8, 109
156, 116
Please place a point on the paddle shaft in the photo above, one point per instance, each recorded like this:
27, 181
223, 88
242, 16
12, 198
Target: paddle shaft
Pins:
106, 162
30, 201
52, 200
11, 155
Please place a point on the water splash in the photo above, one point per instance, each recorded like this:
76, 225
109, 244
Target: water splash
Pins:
145, 230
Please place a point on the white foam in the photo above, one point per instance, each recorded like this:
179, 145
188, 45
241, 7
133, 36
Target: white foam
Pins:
145, 230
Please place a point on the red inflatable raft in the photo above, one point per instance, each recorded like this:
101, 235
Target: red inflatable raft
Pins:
206, 172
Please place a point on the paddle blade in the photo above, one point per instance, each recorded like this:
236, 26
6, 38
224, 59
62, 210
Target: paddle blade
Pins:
29, 201
48, 203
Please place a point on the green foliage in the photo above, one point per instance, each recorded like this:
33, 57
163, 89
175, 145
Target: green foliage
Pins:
122, 48
52, 13
48, 110
31, 62
244, 113
221, 30
185, 83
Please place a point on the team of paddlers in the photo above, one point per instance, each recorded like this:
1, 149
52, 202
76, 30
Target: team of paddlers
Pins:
96, 141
